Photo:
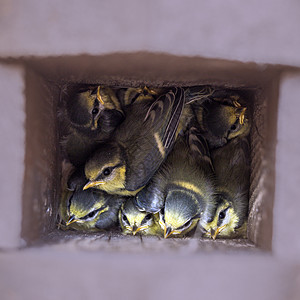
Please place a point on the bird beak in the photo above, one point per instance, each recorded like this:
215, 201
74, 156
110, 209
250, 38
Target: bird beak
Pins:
219, 229
71, 220
91, 184
135, 229
99, 96
242, 116
129, 228
167, 232
236, 103
94, 125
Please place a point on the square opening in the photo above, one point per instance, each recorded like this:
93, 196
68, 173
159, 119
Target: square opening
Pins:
45, 79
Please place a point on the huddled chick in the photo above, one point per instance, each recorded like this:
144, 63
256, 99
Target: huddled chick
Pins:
183, 189
138, 147
232, 167
133, 221
157, 161
91, 117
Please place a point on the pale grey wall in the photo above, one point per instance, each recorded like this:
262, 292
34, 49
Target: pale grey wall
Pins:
12, 151
254, 31
265, 31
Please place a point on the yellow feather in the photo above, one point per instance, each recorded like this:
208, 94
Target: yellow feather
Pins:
159, 145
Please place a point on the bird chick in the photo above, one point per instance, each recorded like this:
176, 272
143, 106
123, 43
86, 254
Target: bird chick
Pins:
232, 167
90, 210
183, 189
222, 119
134, 221
92, 115
86, 109
138, 147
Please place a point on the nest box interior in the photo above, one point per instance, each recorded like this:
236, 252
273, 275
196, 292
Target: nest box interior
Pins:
47, 77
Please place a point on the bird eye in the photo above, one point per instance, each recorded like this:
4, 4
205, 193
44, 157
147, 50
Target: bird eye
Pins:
185, 225
233, 127
148, 217
90, 215
106, 171
188, 223
124, 218
95, 111
222, 215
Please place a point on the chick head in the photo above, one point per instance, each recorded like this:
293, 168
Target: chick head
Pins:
85, 207
180, 214
134, 221
227, 121
84, 109
106, 169
224, 223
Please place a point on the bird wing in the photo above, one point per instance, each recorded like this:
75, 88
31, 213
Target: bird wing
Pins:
158, 135
198, 93
151, 198
109, 218
177, 99
241, 153
198, 146
167, 107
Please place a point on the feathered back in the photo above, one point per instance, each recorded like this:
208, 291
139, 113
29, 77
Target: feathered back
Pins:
198, 146
232, 167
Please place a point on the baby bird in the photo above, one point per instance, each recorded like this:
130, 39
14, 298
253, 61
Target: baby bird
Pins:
138, 147
222, 119
183, 189
85, 109
232, 167
192, 94
134, 221
92, 116
130, 95
90, 210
